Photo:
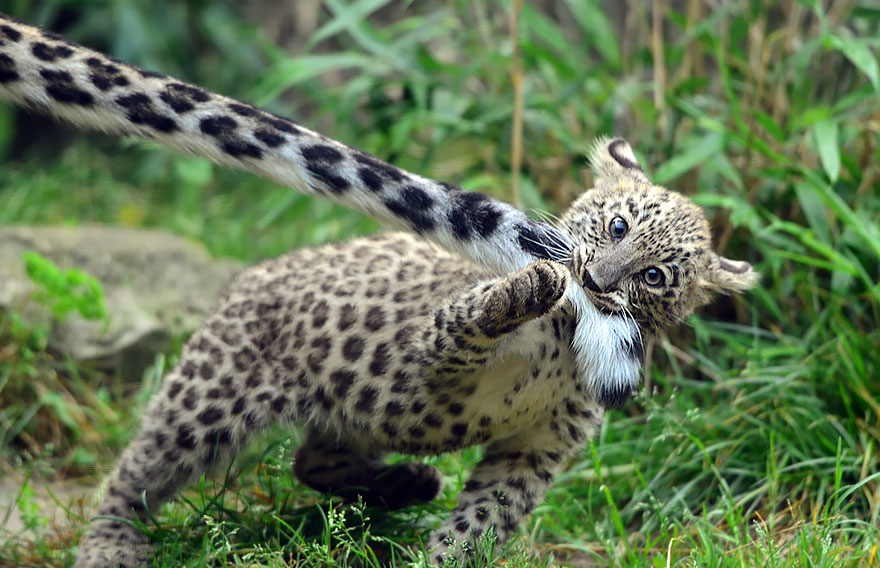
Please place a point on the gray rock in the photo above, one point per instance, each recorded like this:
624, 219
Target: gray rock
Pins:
156, 285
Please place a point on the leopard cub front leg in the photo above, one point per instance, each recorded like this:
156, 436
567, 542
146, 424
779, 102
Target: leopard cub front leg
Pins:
523, 295
465, 328
506, 485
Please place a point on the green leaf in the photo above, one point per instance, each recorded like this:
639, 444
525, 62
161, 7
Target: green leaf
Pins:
815, 210
864, 228
193, 172
7, 129
825, 136
592, 19
289, 72
536, 22
347, 17
860, 55
694, 151
810, 117
769, 125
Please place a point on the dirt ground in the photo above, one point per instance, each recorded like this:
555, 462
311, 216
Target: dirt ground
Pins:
54, 506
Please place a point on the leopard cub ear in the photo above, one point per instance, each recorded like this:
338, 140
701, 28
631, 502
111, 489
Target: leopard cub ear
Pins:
613, 158
730, 276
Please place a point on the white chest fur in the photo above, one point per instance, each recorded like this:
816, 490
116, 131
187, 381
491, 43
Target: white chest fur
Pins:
606, 350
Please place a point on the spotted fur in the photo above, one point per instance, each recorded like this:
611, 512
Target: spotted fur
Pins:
388, 343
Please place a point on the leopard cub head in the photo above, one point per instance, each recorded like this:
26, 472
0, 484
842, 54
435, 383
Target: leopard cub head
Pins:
643, 251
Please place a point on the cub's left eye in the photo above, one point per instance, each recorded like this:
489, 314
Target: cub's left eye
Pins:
618, 227
653, 276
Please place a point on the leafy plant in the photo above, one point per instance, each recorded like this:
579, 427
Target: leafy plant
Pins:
44, 414
65, 291
755, 441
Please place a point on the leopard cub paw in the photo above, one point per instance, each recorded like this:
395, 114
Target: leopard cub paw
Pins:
110, 544
549, 282
405, 484
524, 295
537, 289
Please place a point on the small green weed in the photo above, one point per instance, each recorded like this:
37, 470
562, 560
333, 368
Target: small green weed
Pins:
65, 291
30, 509
47, 406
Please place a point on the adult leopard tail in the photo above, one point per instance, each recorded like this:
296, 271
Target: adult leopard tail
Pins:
42, 71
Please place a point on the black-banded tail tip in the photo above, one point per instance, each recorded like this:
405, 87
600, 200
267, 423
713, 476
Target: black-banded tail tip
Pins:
614, 395
635, 349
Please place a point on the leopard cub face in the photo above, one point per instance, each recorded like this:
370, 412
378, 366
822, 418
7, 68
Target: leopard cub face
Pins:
642, 251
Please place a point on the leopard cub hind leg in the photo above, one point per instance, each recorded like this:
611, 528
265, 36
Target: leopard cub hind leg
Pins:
207, 407
329, 465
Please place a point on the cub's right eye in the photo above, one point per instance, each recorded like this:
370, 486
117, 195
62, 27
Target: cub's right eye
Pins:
618, 227
653, 276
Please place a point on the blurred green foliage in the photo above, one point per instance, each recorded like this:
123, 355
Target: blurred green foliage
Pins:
65, 291
756, 439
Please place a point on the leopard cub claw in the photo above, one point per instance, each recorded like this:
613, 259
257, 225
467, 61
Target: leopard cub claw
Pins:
537, 289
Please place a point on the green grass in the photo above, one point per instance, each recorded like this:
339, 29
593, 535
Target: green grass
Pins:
756, 441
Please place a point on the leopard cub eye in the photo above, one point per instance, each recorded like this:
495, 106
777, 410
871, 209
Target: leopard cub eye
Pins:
653, 276
618, 228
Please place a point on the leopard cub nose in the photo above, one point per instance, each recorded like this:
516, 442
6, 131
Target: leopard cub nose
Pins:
588, 282
578, 266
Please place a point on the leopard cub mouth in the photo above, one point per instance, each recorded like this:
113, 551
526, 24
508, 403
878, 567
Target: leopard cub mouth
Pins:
609, 303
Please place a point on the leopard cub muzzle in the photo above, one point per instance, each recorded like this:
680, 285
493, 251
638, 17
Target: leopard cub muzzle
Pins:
600, 278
